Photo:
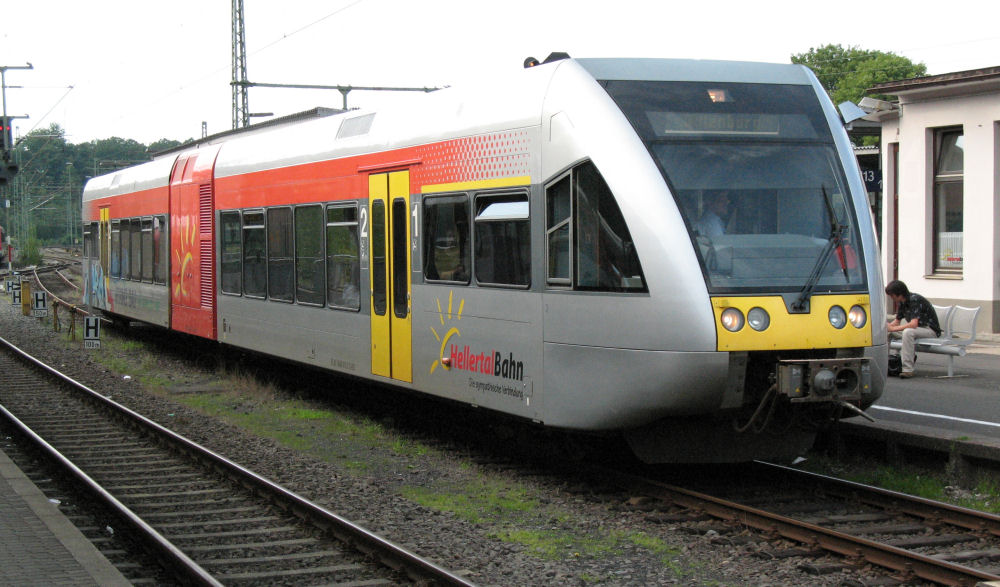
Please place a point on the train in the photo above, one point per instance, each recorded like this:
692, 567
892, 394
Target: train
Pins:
677, 252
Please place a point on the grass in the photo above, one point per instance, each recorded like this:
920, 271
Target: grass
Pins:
922, 482
514, 514
508, 511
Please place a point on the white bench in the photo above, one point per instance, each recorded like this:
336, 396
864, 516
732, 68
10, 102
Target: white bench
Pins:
958, 330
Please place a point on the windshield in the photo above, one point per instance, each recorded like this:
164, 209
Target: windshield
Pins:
756, 176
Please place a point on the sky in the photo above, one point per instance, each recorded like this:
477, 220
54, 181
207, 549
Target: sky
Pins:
144, 70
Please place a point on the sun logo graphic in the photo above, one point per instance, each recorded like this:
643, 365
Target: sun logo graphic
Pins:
449, 332
182, 258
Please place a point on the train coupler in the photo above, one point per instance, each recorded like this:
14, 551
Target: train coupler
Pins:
824, 380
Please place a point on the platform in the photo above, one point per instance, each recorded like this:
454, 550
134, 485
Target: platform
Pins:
38, 544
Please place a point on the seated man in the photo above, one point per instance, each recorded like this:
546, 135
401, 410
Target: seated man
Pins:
915, 318
711, 223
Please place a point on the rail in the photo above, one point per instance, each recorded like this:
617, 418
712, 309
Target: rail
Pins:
372, 545
855, 547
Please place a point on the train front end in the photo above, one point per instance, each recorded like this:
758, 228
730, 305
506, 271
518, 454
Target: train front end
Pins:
762, 174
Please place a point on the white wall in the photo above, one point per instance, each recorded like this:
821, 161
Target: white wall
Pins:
978, 113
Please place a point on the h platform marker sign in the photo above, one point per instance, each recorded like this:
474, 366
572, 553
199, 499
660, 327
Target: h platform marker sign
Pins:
91, 332
40, 309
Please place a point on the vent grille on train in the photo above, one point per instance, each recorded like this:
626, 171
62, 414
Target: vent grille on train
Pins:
205, 244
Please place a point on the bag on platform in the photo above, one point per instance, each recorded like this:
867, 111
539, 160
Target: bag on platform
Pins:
895, 365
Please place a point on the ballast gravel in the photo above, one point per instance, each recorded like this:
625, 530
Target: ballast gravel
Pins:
592, 535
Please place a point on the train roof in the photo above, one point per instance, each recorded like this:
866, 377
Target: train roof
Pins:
512, 98
145, 176
695, 70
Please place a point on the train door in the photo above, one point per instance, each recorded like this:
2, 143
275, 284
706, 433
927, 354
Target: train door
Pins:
391, 326
99, 280
192, 255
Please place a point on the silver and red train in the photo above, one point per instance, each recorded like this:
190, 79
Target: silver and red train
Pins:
678, 251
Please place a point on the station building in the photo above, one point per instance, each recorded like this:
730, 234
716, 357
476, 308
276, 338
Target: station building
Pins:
940, 208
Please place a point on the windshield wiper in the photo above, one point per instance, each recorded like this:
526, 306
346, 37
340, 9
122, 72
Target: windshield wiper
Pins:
833, 241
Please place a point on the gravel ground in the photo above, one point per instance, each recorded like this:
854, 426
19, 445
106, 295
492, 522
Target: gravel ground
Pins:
374, 494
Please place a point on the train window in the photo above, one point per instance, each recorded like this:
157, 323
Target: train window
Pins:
116, 243
343, 279
104, 243
160, 254
379, 294
400, 267
605, 256
310, 268
231, 251
147, 250
88, 241
503, 240
126, 249
446, 239
558, 204
135, 256
95, 242
254, 255
280, 255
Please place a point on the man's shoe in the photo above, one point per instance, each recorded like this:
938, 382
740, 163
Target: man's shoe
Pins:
906, 374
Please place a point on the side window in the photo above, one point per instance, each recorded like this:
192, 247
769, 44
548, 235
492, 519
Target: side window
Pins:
310, 269
135, 255
343, 276
116, 245
147, 250
503, 240
588, 242
254, 255
88, 241
380, 296
446, 239
104, 243
605, 255
160, 251
280, 261
126, 249
231, 251
557, 230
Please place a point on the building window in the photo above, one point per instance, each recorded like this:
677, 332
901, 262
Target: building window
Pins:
948, 200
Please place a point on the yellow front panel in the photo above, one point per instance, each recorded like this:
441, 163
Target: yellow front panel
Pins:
402, 363
793, 331
378, 190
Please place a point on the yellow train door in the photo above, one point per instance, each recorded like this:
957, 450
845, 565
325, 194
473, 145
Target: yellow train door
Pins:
391, 326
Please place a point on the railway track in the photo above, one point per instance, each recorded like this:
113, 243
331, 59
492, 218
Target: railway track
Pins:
912, 539
206, 519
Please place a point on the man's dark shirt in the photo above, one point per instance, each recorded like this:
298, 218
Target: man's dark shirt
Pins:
917, 306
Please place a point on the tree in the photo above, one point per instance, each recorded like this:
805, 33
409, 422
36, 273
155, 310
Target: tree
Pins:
846, 73
164, 144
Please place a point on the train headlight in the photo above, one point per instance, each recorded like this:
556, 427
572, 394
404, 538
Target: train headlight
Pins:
758, 319
838, 318
857, 316
732, 319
